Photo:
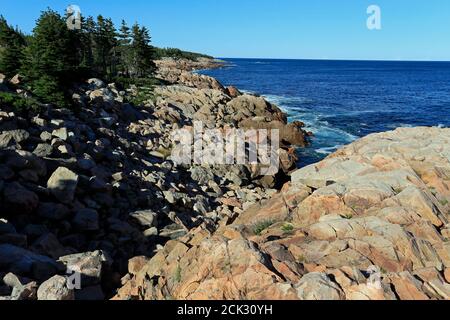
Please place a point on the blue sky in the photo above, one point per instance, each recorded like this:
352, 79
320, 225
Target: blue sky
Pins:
309, 29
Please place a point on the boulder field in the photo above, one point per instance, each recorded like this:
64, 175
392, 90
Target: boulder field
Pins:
84, 190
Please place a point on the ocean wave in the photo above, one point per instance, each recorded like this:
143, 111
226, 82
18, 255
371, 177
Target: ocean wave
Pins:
348, 136
327, 138
283, 100
313, 121
399, 125
328, 150
248, 92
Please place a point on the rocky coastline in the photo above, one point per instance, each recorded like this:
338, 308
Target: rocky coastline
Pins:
86, 191
368, 223
94, 192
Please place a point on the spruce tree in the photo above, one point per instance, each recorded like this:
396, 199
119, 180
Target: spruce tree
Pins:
124, 34
124, 40
12, 44
51, 58
105, 43
142, 53
88, 28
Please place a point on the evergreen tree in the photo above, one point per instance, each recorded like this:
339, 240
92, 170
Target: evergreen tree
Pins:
105, 43
51, 58
83, 46
142, 53
12, 44
54, 57
88, 28
124, 34
124, 40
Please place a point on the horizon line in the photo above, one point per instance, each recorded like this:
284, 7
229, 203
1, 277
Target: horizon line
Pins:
326, 59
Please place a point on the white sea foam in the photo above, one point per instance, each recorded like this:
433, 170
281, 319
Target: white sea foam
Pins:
329, 150
247, 91
283, 100
399, 125
312, 120
326, 137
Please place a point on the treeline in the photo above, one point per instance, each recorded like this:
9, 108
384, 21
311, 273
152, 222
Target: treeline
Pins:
12, 42
53, 57
178, 54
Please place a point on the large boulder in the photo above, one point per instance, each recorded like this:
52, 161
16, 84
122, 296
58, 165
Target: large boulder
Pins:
52, 211
13, 137
291, 134
145, 218
16, 80
95, 84
55, 288
248, 106
25, 262
18, 199
20, 291
86, 220
317, 286
49, 245
63, 184
89, 265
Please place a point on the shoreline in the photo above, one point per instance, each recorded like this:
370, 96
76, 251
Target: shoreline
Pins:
363, 212
95, 191
95, 187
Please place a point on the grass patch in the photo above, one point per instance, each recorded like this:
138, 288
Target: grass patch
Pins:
144, 95
347, 216
287, 228
177, 275
444, 202
397, 190
261, 226
433, 191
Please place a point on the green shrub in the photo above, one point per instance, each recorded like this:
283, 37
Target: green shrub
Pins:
141, 98
18, 103
145, 88
49, 91
177, 275
261, 226
347, 216
287, 228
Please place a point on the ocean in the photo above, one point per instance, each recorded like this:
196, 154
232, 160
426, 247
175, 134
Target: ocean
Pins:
341, 101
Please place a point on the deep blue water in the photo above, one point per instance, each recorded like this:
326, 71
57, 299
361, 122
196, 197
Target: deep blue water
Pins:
340, 101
